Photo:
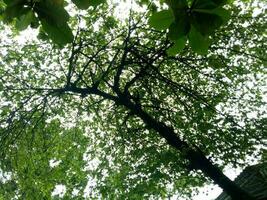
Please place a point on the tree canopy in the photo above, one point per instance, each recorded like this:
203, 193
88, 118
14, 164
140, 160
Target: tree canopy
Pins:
150, 106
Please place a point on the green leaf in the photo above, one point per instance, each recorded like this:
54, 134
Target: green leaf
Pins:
161, 20
59, 34
208, 4
14, 9
178, 7
13, 2
35, 22
84, 4
25, 20
206, 23
221, 2
52, 13
179, 29
11, 12
223, 13
198, 42
42, 35
177, 47
177, 4
54, 22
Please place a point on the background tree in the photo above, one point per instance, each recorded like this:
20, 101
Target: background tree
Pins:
128, 104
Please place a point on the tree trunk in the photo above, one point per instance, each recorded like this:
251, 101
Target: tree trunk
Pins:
195, 156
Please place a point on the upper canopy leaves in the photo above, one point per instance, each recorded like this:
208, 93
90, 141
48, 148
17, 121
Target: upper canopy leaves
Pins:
204, 15
54, 20
25, 20
51, 13
84, 4
161, 20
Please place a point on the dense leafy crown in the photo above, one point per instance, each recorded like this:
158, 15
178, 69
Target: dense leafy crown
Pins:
69, 98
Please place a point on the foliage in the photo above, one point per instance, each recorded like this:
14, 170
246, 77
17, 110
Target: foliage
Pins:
80, 104
30, 161
195, 20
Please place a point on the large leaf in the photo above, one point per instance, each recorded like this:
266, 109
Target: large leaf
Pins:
161, 20
206, 23
177, 4
179, 8
223, 13
52, 13
179, 29
198, 42
13, 2
35, 22
84, 4
208, 4
221, 2
25, 20
208, 15
57, 2
54, 19
177, 47
14, 9
59, 34
42, 35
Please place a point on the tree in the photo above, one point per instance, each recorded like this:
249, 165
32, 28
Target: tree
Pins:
150, 123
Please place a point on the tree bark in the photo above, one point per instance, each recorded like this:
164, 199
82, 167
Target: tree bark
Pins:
195, 156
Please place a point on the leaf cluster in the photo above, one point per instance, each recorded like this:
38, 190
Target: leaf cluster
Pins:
195, 21
50, 14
